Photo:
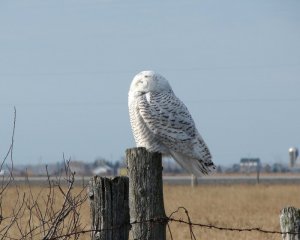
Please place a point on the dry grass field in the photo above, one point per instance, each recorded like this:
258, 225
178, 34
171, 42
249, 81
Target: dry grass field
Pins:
238, 206
235, 206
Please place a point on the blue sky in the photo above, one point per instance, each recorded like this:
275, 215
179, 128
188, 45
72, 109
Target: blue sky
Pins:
67, 66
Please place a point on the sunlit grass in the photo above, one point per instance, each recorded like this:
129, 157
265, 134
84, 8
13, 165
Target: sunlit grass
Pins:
221, 205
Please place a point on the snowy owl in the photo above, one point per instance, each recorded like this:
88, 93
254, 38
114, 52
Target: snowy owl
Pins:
162, 123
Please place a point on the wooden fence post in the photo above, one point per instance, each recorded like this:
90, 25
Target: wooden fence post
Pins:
109, 208
194, 180
290, 222
147, 213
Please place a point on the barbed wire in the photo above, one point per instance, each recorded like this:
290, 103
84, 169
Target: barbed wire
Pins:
211, 226
170, 219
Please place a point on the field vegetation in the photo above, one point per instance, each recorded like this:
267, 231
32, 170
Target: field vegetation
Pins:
28, 211
234, 206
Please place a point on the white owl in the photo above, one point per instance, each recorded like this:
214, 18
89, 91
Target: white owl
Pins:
162, 123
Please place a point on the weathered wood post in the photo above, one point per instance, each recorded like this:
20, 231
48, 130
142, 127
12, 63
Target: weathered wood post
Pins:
194, 180
147, 213
290, 222
109, 208
257, 173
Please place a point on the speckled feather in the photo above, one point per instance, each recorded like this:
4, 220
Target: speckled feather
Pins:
162, 123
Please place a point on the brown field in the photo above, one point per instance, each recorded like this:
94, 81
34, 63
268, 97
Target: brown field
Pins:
238, 206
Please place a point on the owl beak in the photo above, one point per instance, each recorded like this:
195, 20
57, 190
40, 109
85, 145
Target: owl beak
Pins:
140, 93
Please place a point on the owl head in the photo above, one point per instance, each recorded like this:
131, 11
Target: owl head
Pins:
149, 81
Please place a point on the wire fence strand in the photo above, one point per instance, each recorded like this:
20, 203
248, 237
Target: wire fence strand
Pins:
188, 222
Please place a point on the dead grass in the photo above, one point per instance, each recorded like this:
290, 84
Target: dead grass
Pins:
29, 211
238, 206
227, 206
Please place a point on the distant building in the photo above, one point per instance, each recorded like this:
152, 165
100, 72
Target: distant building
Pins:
293, 154
248, 165
79, 167
294, 158
102, 171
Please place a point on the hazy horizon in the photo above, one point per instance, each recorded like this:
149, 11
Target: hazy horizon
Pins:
67, 66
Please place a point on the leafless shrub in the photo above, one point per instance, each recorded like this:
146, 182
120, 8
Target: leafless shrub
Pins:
51, 212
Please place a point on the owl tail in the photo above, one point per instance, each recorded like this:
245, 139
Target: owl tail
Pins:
195, 166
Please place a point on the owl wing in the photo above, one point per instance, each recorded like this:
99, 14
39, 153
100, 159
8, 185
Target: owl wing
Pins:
169, 119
